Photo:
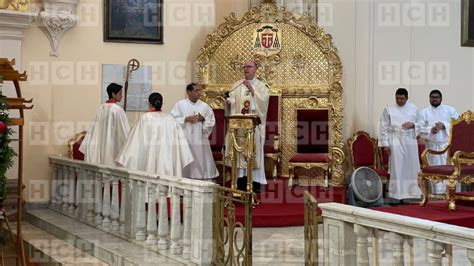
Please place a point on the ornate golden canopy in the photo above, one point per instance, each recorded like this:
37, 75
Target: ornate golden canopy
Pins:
306, 72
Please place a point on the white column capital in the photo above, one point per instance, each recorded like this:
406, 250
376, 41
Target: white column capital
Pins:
14, 23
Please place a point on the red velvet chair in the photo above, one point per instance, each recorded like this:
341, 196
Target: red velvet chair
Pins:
271, 147
73, 146
217, 137
364, 152
312, 144
460, 168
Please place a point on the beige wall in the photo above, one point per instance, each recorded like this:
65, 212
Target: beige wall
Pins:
365, 42
66, 97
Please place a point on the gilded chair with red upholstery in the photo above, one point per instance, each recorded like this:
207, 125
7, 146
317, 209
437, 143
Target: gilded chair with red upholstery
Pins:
271, 147
217, 137
364, 152
312, 144
460, 163
73, 146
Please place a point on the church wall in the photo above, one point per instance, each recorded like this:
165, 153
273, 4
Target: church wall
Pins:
389, 44
380, 46
67, 89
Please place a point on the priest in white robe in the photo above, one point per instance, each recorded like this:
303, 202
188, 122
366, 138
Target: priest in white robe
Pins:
197, 121
399, 126
108, 132
250, 96
156, 144
435, 129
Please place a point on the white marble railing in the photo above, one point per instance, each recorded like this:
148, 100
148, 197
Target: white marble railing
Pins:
348, 231
123, 202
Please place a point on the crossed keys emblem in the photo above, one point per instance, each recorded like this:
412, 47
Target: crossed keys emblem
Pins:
132, 65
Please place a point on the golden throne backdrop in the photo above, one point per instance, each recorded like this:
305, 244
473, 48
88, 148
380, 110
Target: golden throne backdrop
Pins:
305, 73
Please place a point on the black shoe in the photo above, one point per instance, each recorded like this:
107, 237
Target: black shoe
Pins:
242, 183
257, 187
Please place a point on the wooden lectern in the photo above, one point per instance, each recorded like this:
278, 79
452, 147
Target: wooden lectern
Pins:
241, 141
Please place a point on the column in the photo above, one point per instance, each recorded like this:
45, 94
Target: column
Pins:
163, 226
175, 247
151, 221
188, 194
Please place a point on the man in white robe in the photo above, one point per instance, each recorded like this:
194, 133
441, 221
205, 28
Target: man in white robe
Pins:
197, 121
435, 129
108, 132
156, 144
399, 126
250, 96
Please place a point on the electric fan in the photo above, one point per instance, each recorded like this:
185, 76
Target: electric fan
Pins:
365, 188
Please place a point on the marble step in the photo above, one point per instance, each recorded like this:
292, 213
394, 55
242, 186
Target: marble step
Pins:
43, 248
108, 248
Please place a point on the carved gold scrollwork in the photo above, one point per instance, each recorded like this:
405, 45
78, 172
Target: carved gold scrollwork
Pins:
468, 117
306, 72
298, 62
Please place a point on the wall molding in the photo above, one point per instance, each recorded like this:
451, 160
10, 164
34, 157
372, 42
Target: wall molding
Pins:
14, 23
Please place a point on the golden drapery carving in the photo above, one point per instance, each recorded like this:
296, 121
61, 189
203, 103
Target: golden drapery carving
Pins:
306, 72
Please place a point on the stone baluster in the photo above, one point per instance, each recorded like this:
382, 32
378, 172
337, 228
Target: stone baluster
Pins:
175, 233
470, 256
114, 211
397, 248
361, 233
106, 203
54, 186
151, 221
59, 188
89, 198
201, 227
163, 226
435, 250
124, 203
141, 212
72, 190
188, 194
65, 190
98, 198
79, 191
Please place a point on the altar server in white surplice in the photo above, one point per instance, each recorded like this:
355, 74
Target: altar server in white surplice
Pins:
251, 96
435, 129
399, 126
156, 144
197, 120
108, 132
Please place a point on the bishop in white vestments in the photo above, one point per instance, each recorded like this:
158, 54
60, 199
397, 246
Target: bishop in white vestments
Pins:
156, 144
108, 132
399, 126
435, 130
251, 96
197, 120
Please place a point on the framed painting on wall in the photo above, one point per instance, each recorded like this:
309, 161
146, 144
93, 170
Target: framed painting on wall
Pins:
135, 21
467, 23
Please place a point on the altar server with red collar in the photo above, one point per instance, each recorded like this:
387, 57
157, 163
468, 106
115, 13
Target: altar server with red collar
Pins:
156, 144
108, 132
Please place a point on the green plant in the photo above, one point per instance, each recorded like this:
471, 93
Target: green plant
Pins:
6, 152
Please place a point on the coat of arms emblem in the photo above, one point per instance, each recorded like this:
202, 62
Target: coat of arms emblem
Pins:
267, 40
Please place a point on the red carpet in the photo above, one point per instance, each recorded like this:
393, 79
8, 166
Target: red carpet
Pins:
437, 211
283, 207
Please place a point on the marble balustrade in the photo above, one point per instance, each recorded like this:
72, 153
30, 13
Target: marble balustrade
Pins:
348, 230
119, 202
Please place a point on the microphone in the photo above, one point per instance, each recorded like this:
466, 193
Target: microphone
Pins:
227, 94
